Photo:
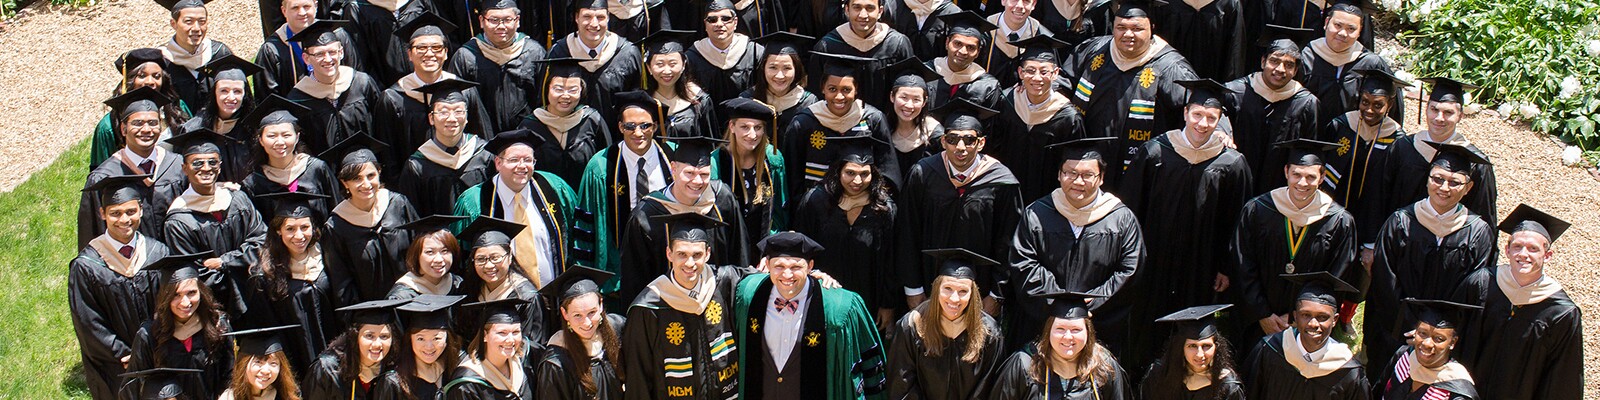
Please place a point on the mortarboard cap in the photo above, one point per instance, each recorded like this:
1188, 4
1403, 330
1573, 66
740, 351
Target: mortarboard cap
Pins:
261, 342
693, 150
1132, 10
136, 57
375, 312
275, 110
427, 24
912, 72
492, 5
354, 150
1198, 322
490, 231
293, 204
563, 67
177, 5
448, 90
1320, 287
642, 100
964, 115
199, 141
1378, 81
504, 140
114, 190
688, 226
591, 5
575, 281
1527, 218
1442, 314
431, 223
1069, 305
841, 65
789, 244
784, 42
959, 263
741, 107
230, 68
1446, 90
1204, 92
666, 41
717, 5
1455, 158
320, 33
967, 23
859, 149
142, 99
159, 383
1306, 152
176, 268
1089, 148
503, 311
428, 311
1042, 48
1279, 38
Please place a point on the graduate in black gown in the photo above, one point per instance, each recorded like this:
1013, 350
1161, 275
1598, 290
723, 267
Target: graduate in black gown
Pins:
842, 112
780, 77
496, 365
1197, 363
1328, 64
1428, 250
499, 275
111, 285
957, 198
966, 35
725, 62
433, 261
685, 108
680, 337
863, 35
155, 383
284, 61
1066, 362
923, 22
612, 62
1427, 369
572, 131
404, 112
427, 350
366, 250
231, 101
749, 163
1413, 156
914, 131
1076, 21
502, 61
354, 362
189, 48
1078, 237
583, 360
376, 26
1128, 91
852, 214
1033, 116
139, 114
1528, 342
281, 162
1292, 229
1305, 362
340, 98
1210, 34
211, 216
691, 190
140, 68
260, 369
1269, 107
186, 329
1357, 172
449, 160
289, 284
947, 348
1014, 23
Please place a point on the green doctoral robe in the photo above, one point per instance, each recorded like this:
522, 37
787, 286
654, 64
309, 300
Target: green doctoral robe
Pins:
555, 200
841, 355
604, 188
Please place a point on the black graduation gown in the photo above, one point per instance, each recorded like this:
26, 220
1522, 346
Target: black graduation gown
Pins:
332, 121
322, 381
191, 86
237, 239
622, 73
363, 262
1227, 388
859, 255
1023, 148
568, 160
168, 183
656, 16
871, 88
1260, 253
509, 92
1356, 174
1133, 106
1095, 21
469, 387
1187, 212
107, 310
1047, 257
1533, 351
402, 122
1257, 124
699, 119
807, 157
216, 366
985, 91
644, 242
388, 387
706, 342
1338, 88
282, 65
558, 380
1409, 171
761, 219
1391, 387
909, 158
402, 292
374, 29
913, 374
763, 17
433, 188
1001, 66
723, 84
308, 304
1268, 376
318, 178
1013, 383
934, 214
927, 37
1212, 38
785, 116
235, 156
1409, 261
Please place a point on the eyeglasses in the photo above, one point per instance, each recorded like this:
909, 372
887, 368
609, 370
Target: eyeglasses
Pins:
326, 54
575, 90
454, 113
638, 126
1038, 71
1446, 182
518, 160
203, 163
495, 259
1073, 176
717, 19
433, 49
954, 140
500, 21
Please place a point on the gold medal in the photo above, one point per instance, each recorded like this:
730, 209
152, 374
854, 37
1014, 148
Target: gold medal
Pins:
1288, 268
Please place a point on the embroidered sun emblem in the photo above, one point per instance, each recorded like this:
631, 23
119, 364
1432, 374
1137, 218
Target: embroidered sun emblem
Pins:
618, 190
1098, 61
1344, 146
1146, 78
755, 326
817, 141
675, 333
714, 312
813, 339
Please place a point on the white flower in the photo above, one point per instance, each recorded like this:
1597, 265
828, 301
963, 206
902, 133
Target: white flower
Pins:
1427, 7
1592, 47
1474, 108
1528, 110
1505, 110
1391, 5
1571, 156
1569, 87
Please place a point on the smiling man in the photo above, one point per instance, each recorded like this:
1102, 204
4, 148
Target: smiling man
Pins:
617, 177
500, 59
863, 35
283, 59
138, 118
340, 98
611, 61
1033, 116
1269, 107
1305, 362
401, 115
189, 48
1330, 62
449, 159
961, 77
213, 216
723, 63
111, 284
691, 190
518, 193
1413, 157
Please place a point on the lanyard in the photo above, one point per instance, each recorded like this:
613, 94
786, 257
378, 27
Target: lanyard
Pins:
1294, 238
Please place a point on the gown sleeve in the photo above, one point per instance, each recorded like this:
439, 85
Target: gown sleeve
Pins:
322, 381
1564, 374
904, 384
1012, 381
553, 380
907, 256
641, 359
96, 339
388, 388
1245, 272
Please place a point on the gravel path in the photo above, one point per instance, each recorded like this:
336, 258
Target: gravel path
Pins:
51, 107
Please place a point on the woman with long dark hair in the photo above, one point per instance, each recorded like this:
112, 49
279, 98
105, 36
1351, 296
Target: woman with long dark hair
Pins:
350, 367
187, 330
496, 362
140, 68
428, 350
261, 371
1197, 364
947, 347
914, 133
289, 284
230, 103
583, 360
366, 250
685, 109
498, 276
431, 260
750, 164
852, 214
782, 82
280, 163
1067, 362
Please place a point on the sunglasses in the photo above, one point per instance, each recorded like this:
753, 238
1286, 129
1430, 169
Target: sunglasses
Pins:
954, 140
717, 19
209, 162
637, 126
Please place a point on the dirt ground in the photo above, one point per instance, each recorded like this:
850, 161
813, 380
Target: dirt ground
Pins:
55, 102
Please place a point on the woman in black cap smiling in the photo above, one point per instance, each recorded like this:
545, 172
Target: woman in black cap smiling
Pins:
781, 82
584, 359
288, 285
367, 248
685, 108
349, 369
187, 329
913, 131
431, 260
947, 347
1427, 366
260, 370
496, 362
1067, 362
1206, 360
140, 68
230, 102
750, 164
428, 350
499, 275
280, 161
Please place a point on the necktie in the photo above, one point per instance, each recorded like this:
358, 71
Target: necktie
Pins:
593, 53
1012, 37
783, 304
126, 251
961, 177
523, 245
148, 166
641, 180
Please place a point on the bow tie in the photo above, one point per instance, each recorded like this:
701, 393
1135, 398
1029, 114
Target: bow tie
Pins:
783, 304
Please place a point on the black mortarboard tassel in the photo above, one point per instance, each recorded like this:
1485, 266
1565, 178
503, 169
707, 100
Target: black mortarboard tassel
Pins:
293, 204
431, 223
1306, 152
1089, 148
1525, 218
114, 190
789, 244
1446, 90
693, 150
448, 90
427, 24
503, 311
354, 150
320, 33
428, 311
575, 281
490, 231
1320, 287
159, 383
859, 149
375, 312
1442, 314
504, 140
1069, 305
960, 263
261, 342
1455, 158
143, 99
964, 115
688, 226
784, 42
199, 141
1196, 323
1041, 48
1204, 92
666, 41
176, 268
230, 68
967, 23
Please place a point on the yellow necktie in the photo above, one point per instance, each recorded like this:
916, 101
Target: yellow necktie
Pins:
523, 245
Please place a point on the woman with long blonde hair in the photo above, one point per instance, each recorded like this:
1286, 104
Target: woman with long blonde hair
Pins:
751, 165
947, 347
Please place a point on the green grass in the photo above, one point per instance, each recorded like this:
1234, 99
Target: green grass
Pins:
38, 224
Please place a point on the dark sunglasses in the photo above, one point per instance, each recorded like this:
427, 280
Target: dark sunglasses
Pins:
717, 19
637, 126
959, 139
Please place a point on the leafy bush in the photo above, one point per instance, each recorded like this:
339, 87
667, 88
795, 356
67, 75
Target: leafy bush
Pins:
1535, 58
